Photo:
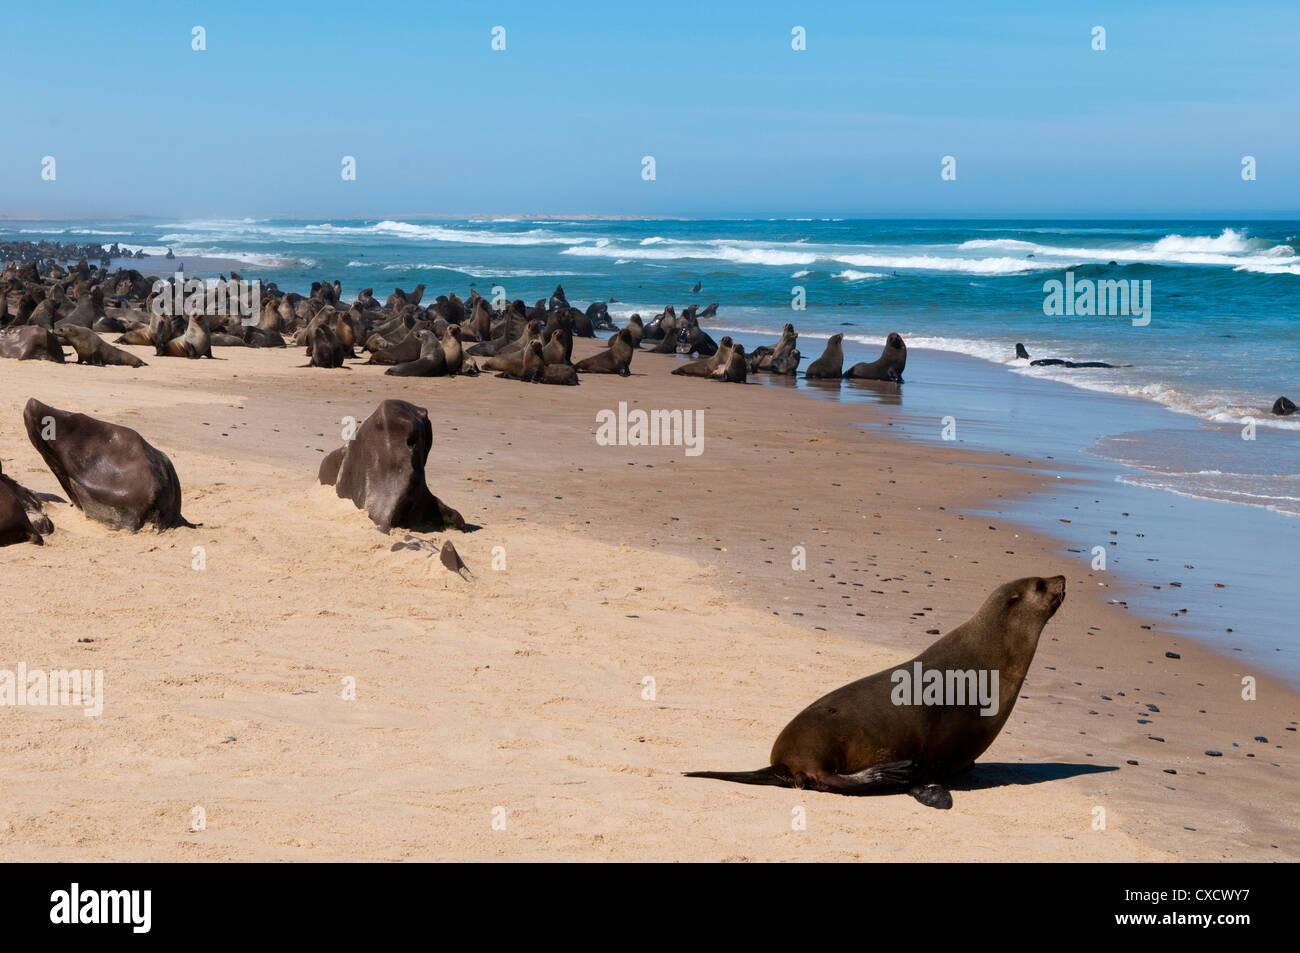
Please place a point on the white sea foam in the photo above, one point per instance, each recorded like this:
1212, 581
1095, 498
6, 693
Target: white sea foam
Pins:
993, 256
480, 271
733, 253
1269, 500
848, 274
68, 231
318, 232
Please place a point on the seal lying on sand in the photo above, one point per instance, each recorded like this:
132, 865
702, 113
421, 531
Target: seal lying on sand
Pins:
21, 517
93, 349
616, 359
381, 470
111, 473
195, 343
831, 364
705, 366
874, 735
889, 366
432, 361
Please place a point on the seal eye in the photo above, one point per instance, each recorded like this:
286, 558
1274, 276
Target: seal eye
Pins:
1042, 586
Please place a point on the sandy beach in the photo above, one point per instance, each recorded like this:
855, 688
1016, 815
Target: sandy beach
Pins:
521, 698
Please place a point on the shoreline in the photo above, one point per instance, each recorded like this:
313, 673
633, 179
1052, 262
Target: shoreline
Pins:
706, 573
1054, 424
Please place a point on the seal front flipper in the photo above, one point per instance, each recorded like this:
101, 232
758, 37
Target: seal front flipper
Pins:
773, 774
932, 795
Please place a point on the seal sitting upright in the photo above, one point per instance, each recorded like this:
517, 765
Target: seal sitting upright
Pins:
873, 735
381, 470
889, 367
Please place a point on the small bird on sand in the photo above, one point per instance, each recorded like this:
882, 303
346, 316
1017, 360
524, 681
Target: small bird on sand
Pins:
451, 559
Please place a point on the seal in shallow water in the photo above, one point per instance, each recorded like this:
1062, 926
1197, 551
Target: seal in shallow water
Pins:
888, 367
831, 364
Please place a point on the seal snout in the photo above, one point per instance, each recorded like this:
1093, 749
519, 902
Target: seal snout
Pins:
1056, 591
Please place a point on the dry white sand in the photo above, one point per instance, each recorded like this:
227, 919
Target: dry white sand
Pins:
524, 690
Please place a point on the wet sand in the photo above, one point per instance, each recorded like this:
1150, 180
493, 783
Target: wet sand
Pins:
523, 690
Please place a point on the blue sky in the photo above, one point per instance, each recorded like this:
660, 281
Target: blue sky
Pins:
739, 123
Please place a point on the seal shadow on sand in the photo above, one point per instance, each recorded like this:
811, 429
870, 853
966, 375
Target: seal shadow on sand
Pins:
997, 774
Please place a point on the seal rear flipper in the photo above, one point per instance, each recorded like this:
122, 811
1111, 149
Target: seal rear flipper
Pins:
932, 795
773, 774
873, 780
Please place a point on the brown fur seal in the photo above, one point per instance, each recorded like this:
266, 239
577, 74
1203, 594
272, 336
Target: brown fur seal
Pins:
452, 350
395, 351
111, 473
554, 351
558, 374
831, 363
21, 517
432, 361
878, 733
614, 360
93, 349
382, 470
781, 359
325, 348
30, 343
734, 369
524, 366
637, 329
532, 332
198, 342
705, 366
889, 367
138, 334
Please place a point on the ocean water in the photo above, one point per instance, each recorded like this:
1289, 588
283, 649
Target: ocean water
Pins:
1221, 344
1164, 427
